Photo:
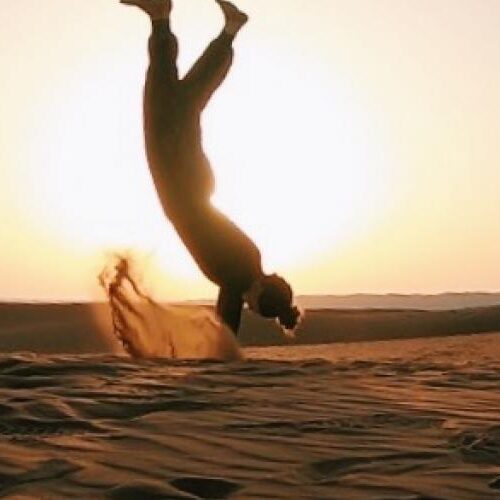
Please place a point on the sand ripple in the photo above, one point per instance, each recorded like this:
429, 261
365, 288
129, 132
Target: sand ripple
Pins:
397, 420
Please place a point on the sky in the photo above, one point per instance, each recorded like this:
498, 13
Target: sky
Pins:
357, 142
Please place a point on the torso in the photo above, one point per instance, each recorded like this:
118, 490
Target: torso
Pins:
184, 182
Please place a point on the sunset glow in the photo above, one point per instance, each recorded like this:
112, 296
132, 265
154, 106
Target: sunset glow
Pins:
356, 142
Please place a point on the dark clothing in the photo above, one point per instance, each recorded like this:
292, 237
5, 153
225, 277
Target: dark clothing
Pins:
182, 173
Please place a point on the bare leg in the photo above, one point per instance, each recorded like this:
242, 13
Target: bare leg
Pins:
211, 68
235, 19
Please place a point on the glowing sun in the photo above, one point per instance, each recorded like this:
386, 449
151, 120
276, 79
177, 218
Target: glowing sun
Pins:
293, 157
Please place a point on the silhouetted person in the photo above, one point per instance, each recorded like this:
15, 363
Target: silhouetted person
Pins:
183, 176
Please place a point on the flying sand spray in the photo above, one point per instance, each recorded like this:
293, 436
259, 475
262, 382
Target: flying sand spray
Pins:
147, 329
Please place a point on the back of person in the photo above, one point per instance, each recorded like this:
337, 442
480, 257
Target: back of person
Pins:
225, 254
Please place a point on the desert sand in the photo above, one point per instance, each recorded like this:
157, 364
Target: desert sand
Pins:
86, 328
409, 419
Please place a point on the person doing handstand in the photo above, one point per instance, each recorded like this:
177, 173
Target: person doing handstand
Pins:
183, 177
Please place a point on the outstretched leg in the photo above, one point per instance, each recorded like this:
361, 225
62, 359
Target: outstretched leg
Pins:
161, 87
234, 18
162, 43
211, 68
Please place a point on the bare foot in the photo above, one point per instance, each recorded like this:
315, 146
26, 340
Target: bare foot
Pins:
156, 9
235, 19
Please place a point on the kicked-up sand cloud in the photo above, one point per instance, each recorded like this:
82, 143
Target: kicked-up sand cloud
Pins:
147, 329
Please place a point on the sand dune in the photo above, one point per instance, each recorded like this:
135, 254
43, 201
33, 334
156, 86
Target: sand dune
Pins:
436, 302
442, 301
383, 420
349, 325
86, 328
55, 328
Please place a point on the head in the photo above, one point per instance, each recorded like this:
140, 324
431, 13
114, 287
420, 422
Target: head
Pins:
271, 296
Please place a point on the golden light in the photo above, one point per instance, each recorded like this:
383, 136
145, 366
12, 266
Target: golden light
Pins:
356, 143
297, 163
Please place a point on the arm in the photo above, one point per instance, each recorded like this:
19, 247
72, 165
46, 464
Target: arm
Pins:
229, 307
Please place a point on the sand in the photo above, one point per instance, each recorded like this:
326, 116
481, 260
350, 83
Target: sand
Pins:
86, 328
409, 419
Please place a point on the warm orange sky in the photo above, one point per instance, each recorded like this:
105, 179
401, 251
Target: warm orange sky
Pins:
356, 141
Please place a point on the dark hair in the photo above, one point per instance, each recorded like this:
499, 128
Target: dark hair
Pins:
275, 301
